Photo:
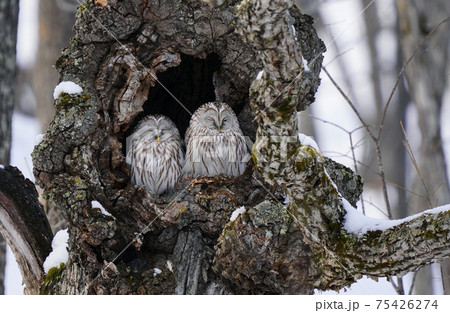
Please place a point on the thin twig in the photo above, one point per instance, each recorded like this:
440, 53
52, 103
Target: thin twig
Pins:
402, 70
376, 207
347, 99
412, 284
383, 178
339, 55
405, 189
376, 141
416, 166
401, 289
391, 280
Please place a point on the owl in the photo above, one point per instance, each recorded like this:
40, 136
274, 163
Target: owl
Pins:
155, 154
215, 143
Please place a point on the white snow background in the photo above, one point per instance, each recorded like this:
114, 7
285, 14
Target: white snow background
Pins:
339, 16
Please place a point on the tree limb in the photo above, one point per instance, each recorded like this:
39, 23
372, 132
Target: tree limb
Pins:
24, 226
315, 209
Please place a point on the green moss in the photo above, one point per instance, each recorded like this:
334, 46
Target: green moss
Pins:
180, 212
52, 279
227, 233
292, 152
83, 7
429, 234
286, 106
255, 157
301, 204
300, 166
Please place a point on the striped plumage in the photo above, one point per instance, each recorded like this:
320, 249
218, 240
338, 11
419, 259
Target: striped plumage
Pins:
215, 143
155, 154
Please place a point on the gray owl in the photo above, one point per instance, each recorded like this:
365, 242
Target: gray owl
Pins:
215, 143
155, 154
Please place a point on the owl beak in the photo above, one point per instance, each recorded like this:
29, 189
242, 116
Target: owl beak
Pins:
218, 128
158, 139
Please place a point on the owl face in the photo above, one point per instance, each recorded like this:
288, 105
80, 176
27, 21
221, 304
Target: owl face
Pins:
216, 120
216, 117
156, 129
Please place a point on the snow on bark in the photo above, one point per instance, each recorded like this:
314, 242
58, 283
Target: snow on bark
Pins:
358, 223
68, 87
236, 213
59, 252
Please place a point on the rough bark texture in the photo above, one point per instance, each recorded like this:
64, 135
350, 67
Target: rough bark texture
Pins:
208, 60
427, 77
201, 53
8, 32
56, 19
24, 226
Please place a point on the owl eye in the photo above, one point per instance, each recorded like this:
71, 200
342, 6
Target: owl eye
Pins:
212, 121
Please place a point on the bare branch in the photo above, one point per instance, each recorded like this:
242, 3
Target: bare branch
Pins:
376, 141
416, 166
24, 226
400, 74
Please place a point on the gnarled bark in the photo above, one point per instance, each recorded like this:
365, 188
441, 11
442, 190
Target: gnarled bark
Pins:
200, 53
24, 226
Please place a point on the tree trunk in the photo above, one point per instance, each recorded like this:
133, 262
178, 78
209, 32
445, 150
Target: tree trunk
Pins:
8, 32
56, 19
201, 53
427, 77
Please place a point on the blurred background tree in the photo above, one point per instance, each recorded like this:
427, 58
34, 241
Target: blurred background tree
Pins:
9, 11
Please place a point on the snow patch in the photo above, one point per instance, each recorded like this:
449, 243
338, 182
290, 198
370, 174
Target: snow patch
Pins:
236, 213
260, 74
156, 271
68, 87
2, 167
305, 65
97, 205
59, 252
358, 223
39, 138
308, 141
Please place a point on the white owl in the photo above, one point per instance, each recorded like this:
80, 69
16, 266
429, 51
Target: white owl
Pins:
215, 143
155, 154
